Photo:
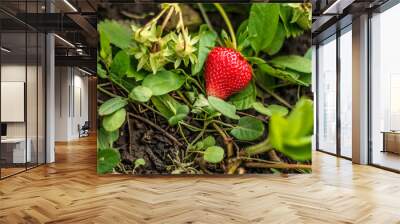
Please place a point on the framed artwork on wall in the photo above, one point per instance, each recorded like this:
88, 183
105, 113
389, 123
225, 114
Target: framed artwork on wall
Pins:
198, 89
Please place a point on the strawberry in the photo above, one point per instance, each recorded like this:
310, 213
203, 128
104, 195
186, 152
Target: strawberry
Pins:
226, 72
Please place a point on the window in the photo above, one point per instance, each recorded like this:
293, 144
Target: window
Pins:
346, 92
327, 96
385, 89
22, 101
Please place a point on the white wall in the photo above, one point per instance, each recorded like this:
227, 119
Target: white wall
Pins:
61, 103
71, 102
33, 127
16, 73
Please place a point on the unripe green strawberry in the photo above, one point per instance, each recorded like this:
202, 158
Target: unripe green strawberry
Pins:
226, 72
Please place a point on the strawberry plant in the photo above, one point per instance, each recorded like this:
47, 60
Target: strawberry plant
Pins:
205, 89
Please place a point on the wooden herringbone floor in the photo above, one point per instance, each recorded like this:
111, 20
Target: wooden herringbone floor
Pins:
69, 191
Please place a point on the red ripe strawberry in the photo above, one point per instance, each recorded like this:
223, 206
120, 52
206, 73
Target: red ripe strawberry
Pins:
226, 72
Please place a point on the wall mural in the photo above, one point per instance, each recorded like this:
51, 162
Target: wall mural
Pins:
204, 88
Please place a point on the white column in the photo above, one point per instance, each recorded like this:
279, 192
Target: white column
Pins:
50, 92
50, 100
360, 90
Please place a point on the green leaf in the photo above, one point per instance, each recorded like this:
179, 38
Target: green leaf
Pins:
260, 108
278, 110
242, 34
285, 14
296, 15
205, 143
105, 48
292, 136
293, 62
107, 159
287, 75
140, 94
209, 141
114, 121
271, 109
106, 139
133, 73
163, 82
264, 80
206, 43
268, 69
263, 23
200, 103
223, 107
123, 81
277, 130
248, 129
304, 22
305, 79
245, 98
301, 119
214, 154
139, 162
112, 137
116, 33
101, 72
277, 42
112, 105
102, 139
172, 110
181, 113
162, 105
120, 64
308, 54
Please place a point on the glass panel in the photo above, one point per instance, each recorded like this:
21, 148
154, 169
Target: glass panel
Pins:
41, 99
385, 84
31, 99
22, 88
346, 94
13, 86
327, 96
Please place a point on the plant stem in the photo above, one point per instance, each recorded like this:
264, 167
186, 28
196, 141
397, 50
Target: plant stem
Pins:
207, 20
228, 23
256, 159
150, 108
106, 91
227, 140
277, 165
203, 166
280, 99
196, 83
104, 84
272, 155
184, 98
261, 147
130, 130
233, 166
249, 115
171, 10
298, 92
156, 127
189, 126
223, 123
155, 18
201, 132
183, 134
